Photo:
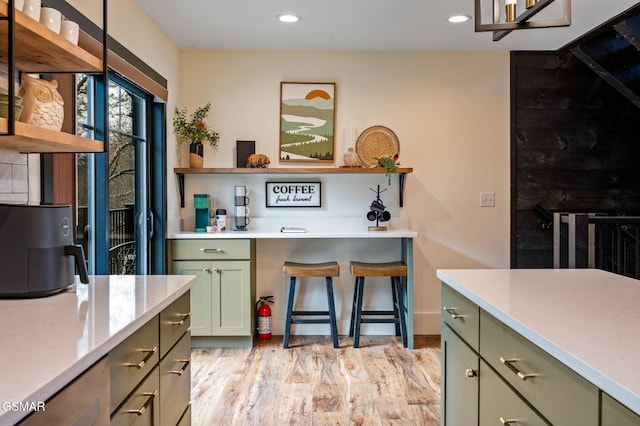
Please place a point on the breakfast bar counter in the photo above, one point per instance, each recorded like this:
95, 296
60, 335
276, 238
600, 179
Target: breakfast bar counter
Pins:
338, 236
48, 342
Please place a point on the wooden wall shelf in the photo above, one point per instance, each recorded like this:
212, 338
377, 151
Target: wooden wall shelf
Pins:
40, 50
33, 139
401, 172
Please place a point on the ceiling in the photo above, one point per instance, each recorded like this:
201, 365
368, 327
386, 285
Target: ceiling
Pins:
410, 25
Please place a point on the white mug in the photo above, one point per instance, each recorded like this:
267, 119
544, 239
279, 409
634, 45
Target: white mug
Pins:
70, 30
18, 4
51, 18
241, 190
32, 9
242, 211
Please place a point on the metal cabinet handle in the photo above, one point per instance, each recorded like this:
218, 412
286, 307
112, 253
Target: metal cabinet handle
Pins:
216, 270
182, 321
140, 411
509, 364
184, 367
451, 311
470, 372
507, 421
211, 250
141, 364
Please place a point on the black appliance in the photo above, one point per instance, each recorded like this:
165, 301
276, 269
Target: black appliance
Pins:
37, 254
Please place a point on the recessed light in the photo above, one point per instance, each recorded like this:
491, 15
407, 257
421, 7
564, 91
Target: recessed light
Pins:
457, 19
288, 18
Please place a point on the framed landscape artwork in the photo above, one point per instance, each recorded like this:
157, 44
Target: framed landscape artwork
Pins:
307, 115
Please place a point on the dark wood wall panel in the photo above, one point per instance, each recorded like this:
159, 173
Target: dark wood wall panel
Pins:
575, 147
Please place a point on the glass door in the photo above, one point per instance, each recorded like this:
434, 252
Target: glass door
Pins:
113, 188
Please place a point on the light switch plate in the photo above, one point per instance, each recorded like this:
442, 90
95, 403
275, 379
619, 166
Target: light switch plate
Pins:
487, 199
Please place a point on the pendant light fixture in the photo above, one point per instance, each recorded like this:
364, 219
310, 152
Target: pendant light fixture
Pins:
518, 14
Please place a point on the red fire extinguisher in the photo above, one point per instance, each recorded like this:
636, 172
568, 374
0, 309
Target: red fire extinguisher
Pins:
264, 317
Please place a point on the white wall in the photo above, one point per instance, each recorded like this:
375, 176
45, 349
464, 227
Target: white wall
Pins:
450, 111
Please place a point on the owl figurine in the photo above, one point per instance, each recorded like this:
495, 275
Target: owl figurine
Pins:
42, 105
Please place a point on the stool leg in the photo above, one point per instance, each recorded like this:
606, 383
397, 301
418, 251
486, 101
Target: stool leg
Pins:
396, 310
403, 322
354, 308
287, 327
332, 312
356, 336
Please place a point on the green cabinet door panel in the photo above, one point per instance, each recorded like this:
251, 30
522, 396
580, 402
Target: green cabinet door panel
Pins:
616, 414
201, 291
231, 298
460, 381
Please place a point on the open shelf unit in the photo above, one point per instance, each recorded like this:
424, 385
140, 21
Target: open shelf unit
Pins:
37, 49
401, 172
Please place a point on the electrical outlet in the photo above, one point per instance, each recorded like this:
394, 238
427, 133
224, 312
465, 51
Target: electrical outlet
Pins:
487, 199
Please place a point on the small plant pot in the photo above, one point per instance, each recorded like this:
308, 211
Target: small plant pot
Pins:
196, 159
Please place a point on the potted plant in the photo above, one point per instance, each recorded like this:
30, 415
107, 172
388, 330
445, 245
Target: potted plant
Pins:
194, 130
390, 165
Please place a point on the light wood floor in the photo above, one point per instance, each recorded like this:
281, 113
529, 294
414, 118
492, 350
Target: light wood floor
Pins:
311, 383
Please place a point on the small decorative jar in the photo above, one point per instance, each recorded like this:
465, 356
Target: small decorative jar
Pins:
351, 159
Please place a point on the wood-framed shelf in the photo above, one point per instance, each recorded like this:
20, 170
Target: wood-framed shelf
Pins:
40, 50
33, 139
401, 172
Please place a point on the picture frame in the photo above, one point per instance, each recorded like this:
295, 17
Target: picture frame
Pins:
293, 194
307, 122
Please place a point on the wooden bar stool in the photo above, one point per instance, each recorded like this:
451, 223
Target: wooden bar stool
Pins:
396, 271
327, 270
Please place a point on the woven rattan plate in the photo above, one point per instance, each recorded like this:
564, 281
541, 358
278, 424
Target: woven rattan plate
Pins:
376, 141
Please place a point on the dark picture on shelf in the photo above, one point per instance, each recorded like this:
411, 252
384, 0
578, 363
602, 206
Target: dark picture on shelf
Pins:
307, 114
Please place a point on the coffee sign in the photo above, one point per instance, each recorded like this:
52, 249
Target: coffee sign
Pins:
293, 194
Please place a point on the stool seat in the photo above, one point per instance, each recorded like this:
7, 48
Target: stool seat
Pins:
326, 269
385, 269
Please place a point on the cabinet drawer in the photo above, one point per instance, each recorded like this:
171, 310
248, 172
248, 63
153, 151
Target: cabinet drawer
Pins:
210, 249
175, 382
174, 321
84, 402
132, 360
499, 404
142, 406
558, 393
616, 414
461, 315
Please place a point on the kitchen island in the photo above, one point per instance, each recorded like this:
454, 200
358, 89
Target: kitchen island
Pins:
48, 342
583, 320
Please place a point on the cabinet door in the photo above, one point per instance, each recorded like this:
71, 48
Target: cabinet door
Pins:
231, 298
616, 414
459, 381
201, 291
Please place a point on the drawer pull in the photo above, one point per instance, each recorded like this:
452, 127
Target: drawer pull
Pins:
141, 364
470, 372
452, 312
216, 270
181, 322
142, 409
211, 250
509, 364
507, 421
184, 366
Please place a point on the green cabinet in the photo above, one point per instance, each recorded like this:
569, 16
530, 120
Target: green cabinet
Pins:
616, 414
222, 299
460, 389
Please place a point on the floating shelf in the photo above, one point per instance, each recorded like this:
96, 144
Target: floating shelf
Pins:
40, 50
30, 139
401, 172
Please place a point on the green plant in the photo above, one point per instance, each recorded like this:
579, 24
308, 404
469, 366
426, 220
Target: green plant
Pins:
390, 165
193, 129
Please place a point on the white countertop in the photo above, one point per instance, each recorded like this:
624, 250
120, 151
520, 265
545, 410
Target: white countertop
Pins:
315, 228
47, 342
586, 318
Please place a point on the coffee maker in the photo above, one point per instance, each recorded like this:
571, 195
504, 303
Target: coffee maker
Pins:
202, 204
